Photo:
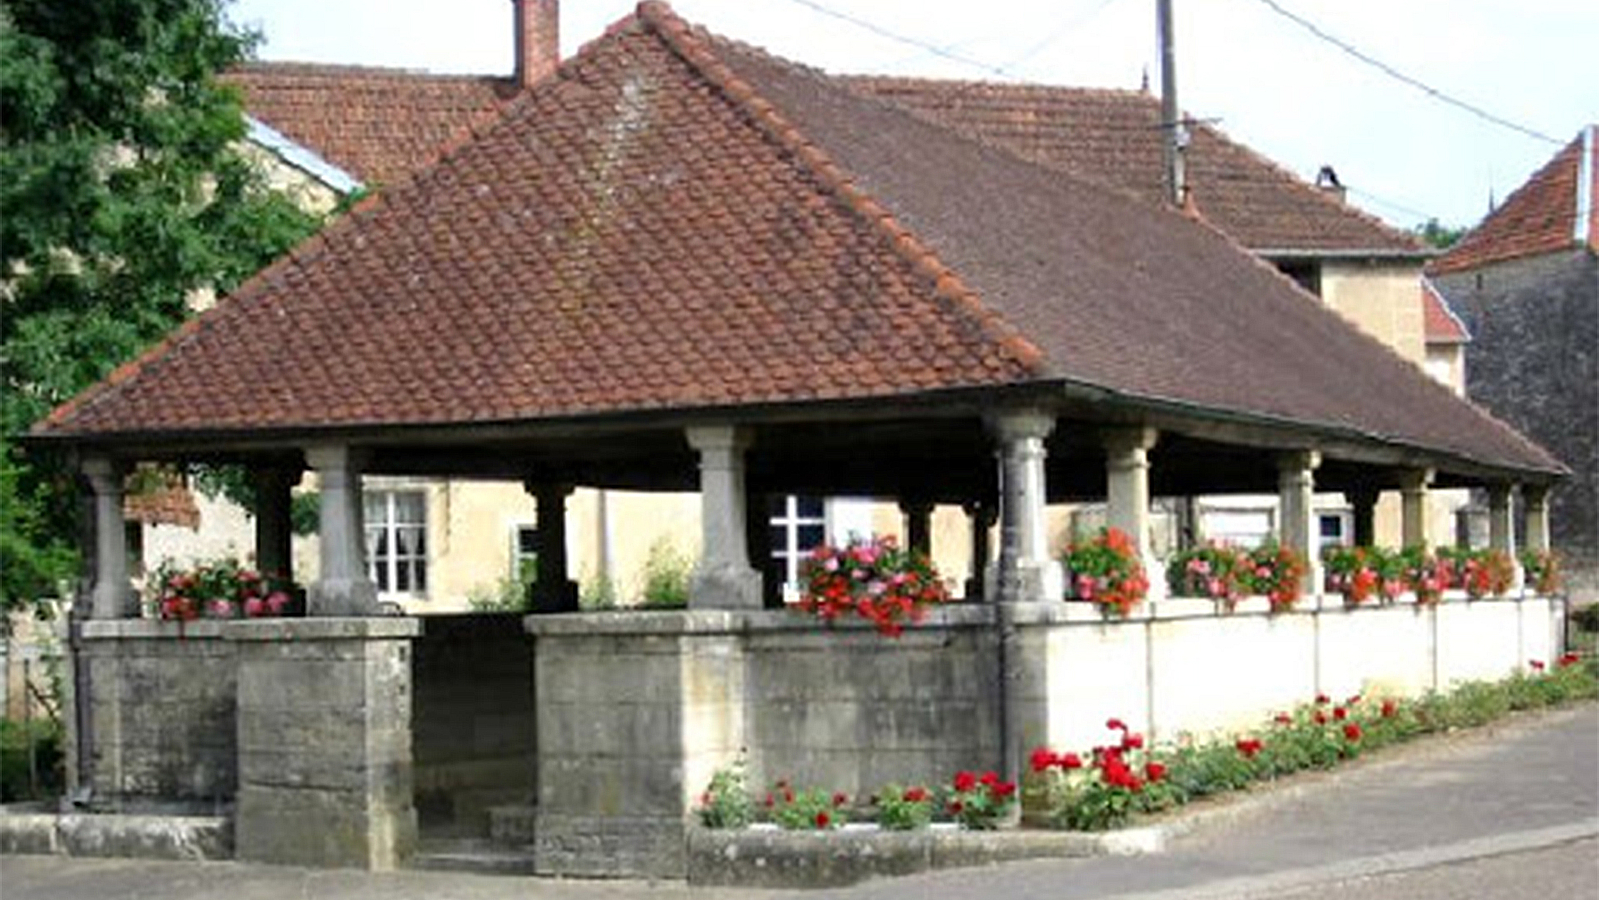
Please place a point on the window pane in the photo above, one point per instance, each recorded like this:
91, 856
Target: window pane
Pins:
527, 541
376, 507
1332, 526
410, 507
380, 574
402, 577
779, 539
419, 576
810, 535
809, 507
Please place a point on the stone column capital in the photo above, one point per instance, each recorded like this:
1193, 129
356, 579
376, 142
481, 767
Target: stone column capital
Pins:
105, 475
1413, 480
1536, 494
709, 439
323, 457
1295, 462
553, 490
1128, 443
1016, 425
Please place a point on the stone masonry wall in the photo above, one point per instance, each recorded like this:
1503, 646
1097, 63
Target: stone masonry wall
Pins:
473, 738
161, 716
1533, 361
325, 765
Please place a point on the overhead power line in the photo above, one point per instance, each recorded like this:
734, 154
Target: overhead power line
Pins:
882, 32
1419, 85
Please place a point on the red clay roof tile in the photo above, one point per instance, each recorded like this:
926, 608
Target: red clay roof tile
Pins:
676, 221
1441, 325
1541, 216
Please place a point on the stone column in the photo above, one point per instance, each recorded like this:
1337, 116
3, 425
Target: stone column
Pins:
1364, 501
324, 742
982, 515
554, 591
1127, 495
1535, 505
1296, 499
113, 596
1413, 487
1502, 527
274, 528
343, 588
1026, 572
724, 579
918, 525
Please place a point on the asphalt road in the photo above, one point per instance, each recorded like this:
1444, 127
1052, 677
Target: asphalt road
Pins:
1506, 812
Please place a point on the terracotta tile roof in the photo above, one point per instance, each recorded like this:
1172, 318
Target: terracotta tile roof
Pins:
679, 222
377, 124
1542, 216
1114, 136
1440, 324
165, 500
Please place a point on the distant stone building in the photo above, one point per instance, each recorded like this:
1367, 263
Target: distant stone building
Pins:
1525, 282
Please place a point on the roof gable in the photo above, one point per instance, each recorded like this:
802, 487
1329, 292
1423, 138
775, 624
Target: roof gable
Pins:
1440, 324
1554, 210
680, 222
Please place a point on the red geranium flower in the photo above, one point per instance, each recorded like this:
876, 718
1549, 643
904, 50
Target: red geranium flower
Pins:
1352, 731
965, 781
1043, 758
1389, 708
1536, 664
915, 794
1322, 699
989, 779
1069, 761
1116, 724
1340, 713
1321, 717
1154, 772
1133, 742
839, 798
823, 819
1284, 719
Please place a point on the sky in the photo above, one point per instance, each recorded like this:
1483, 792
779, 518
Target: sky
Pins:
1260, 77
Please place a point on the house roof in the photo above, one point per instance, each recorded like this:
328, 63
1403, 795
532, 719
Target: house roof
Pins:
1556, 209
1440, 324
377, 124
1115, 136
680, 222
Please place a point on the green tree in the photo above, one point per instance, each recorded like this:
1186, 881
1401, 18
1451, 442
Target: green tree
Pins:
1437, 235
123, 192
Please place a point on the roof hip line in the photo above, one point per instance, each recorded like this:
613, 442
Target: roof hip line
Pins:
924, 261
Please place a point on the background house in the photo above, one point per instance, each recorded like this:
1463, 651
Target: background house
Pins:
1525, 283
330, 130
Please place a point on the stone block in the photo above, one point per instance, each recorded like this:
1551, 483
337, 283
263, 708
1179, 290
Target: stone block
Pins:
609, 847
189, 838
649, 784
329, 829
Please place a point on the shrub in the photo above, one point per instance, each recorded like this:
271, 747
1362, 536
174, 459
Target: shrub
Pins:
511, 594
1277, 572
44, 777
1214, 570
666, 576
1543, 570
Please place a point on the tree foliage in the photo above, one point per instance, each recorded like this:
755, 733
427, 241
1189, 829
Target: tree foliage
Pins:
1438, 235
123, 192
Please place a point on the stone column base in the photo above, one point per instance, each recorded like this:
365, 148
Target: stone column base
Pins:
725, 587
341, 597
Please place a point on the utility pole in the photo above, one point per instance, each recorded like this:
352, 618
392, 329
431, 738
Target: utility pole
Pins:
1174, 137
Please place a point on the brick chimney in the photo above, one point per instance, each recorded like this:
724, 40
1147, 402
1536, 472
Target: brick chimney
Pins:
538, 39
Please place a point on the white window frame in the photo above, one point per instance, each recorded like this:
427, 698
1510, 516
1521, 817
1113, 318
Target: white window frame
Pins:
394, 559
518, 555
1346, 528
789, 550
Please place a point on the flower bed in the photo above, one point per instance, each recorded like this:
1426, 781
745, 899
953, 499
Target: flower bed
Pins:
1373, 574
1225, 573
223, 589
1105, 570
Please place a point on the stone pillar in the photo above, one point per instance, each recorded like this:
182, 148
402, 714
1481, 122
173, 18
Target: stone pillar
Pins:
343, 588
918, 525
1296, 498
1502, 528
723, 579
274, 527
1127, 495
324, 725
1364, 501
113, 596
1413, 508
1535, 505
1026, 572
982, 515
554, 591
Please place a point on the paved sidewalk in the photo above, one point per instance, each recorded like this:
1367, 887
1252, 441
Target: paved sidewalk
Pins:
1529, 783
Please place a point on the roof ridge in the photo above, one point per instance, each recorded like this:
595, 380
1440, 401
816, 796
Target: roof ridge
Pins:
1032, 87
312, 67
924, 261
1310, 190
1463, 254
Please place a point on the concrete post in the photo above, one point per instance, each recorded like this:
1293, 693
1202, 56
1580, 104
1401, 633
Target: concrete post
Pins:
554, 591
918, 525
1413, 508
1127, 495
724, 579
343, 588
1296, 490
982, 516
1364, 501
1026, 572
274, 529
113, 596
1535, 505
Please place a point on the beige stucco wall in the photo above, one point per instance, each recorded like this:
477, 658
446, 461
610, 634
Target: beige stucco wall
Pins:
1381, 298
1447, 364
307, 192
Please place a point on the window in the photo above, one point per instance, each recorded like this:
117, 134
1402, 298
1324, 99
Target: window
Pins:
798, 525
1306, 272
396, 542
525, 552
1332, 529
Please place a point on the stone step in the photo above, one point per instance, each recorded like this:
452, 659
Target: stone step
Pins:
471, 855
512, 826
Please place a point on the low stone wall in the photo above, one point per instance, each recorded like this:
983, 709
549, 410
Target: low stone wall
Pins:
473, 727
161, 704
